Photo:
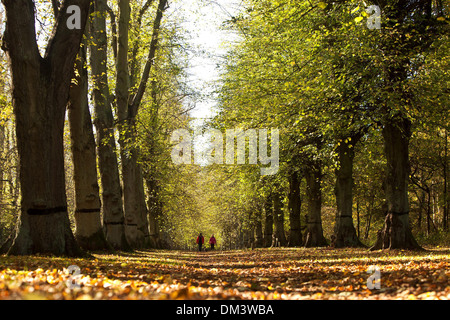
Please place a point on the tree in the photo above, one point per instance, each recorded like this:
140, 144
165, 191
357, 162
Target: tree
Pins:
278, 217
295, 202
344, 230
111, 195
400, 48
40, 95
128, 101
314, 231
89, 229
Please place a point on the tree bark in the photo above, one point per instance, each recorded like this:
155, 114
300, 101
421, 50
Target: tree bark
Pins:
396, 233
278, 215
344, 230
134, 196
89, 230
268, 222
154, 212
2, 159
259, 238
295, 234
111, 195
446, 206
314, 232
40, 95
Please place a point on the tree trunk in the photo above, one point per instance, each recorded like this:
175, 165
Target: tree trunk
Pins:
268, 222
421, 206
40, 95
259, 238
446, 191
396, 233
2, 159
134, 197
154, 212
344, 230
295, 234
278, 215
89, 229
358, 220
112, 205
314, 232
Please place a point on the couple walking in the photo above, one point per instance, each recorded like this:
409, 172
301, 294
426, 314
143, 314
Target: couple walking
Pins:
201, 240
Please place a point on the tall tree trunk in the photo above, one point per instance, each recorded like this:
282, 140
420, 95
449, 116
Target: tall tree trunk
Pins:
358, 220
314, 232
278, 215
111, 195
268, 222
446, 190
344, 230
40, 95
295, 234
259, 238
421, 206
134, 197
154, 212
2, 160
89, 230
396, 233
369, 216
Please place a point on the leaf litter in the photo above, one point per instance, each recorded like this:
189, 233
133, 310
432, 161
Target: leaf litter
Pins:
260, 274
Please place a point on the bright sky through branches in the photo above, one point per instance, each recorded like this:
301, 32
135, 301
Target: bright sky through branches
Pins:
204, 22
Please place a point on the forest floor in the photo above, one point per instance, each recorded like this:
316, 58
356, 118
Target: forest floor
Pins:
270, 274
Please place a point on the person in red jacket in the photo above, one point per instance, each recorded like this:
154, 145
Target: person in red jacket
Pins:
200, 241
212, 242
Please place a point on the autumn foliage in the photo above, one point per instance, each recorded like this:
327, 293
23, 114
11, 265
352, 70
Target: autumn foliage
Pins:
261, 274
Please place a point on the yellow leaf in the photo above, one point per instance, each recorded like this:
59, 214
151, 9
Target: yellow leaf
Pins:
354, 10
358, 19
322, 5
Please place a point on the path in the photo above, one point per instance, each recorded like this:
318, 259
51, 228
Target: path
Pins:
242, 274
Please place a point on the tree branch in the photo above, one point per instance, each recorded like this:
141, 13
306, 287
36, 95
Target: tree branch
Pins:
133, 108
55, 6
64, 43
136, 42
19, 38
112, 16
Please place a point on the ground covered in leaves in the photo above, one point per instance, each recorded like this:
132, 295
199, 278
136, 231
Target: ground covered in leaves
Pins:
282, 273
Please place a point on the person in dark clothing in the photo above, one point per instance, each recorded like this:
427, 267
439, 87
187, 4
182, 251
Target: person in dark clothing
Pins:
200, 241
212, 242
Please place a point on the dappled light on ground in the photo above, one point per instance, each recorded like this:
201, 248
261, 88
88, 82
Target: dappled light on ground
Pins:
283, 273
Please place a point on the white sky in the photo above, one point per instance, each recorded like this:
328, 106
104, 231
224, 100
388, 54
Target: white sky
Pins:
204, 20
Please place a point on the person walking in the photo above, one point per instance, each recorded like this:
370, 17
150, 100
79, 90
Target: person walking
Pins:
200, 241
212, 242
